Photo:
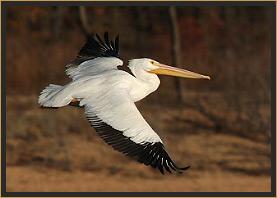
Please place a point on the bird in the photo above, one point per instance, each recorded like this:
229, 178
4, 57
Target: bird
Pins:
108, 96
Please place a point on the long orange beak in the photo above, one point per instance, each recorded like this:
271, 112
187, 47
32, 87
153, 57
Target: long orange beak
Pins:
174, 71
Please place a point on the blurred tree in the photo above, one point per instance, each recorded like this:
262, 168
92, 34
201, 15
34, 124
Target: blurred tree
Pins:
139, 19
84, 20
58, 21
175, 49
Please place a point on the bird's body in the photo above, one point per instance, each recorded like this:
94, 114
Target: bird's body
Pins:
108, 96
95, 85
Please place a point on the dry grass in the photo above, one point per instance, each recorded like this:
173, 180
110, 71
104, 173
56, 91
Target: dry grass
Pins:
26, 178
57, 150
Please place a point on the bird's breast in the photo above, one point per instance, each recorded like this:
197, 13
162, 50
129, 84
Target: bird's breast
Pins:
141, 89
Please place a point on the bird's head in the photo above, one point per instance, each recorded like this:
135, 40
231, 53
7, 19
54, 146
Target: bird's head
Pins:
146, 65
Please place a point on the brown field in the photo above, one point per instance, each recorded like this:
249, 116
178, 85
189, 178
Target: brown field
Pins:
57, 150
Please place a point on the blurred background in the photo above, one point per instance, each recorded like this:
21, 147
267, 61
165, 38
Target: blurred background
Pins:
221, 127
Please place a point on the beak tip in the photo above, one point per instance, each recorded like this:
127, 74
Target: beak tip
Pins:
206, 77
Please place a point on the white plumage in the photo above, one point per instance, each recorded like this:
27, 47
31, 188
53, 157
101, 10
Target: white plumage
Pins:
108, 96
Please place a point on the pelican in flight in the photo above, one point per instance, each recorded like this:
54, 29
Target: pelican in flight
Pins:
108, 96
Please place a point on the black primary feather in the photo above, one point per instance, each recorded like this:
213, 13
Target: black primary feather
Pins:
149, 153
96, 48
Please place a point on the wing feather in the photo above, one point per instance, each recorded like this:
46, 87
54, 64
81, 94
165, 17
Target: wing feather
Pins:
101, 42
117, 43
90, 53
106, 37
119, 123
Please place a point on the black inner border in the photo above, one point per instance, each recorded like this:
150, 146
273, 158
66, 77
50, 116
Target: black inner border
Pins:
271, 4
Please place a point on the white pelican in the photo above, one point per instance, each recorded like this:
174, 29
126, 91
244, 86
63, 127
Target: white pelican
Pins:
108, 96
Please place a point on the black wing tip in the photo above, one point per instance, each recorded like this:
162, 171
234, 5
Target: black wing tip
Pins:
155, 155
97, 47
117, 43
181, 170
177, 169
185, 168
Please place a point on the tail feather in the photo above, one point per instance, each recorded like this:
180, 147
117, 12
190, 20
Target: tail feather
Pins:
47, 96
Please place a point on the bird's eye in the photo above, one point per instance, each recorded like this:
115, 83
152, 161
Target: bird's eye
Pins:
152, 62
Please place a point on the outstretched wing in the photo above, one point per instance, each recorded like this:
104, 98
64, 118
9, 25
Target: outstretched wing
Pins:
95, 56
118, 122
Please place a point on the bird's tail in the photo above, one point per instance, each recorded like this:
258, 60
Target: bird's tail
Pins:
49, 96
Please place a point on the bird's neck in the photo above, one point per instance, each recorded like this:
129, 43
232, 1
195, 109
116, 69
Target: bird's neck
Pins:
145, 84
146, 77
